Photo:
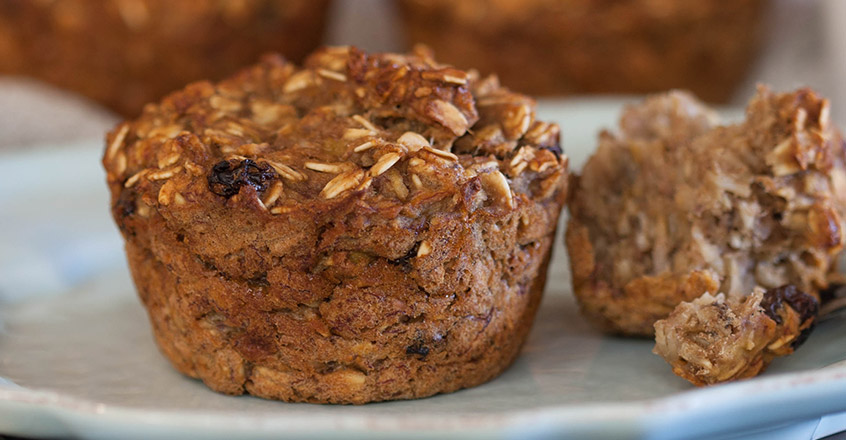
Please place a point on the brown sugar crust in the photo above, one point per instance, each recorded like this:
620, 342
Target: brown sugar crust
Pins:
126, 53
711, 339
595, 46
365, 228
675, 206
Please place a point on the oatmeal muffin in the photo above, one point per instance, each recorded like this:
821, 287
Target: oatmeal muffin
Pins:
595, 46
125, 53
363, 228
675, 205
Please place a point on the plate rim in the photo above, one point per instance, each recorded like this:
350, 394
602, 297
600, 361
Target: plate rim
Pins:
784, 398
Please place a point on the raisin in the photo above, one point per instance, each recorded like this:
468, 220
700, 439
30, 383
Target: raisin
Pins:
125, 204
806, 305
227, 177
405, 261
417, 348
123, 209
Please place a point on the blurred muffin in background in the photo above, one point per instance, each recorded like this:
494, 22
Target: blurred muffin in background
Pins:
554, 47
125, 53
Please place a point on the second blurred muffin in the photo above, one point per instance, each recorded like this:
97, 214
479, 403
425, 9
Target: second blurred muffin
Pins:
124, 53
552, 47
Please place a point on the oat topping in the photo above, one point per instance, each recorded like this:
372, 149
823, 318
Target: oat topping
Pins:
117, 141
450, 116
365, 123
285, 171
412, 141
357, 133
497, 184
299, 81
332, 168
273, 194
345, 124
343, 182
384, 163
332, 75
363, 147
132, 180
415, 179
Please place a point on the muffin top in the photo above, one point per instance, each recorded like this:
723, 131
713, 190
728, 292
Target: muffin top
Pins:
395, 131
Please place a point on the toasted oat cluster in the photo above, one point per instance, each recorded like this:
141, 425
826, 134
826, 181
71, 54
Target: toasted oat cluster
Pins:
363, 228
675, 205
125, 53
712, 339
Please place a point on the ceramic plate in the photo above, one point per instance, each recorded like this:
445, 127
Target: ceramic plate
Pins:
77, 357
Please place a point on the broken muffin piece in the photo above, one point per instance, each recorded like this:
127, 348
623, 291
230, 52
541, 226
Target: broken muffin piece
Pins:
714, 339
675, 205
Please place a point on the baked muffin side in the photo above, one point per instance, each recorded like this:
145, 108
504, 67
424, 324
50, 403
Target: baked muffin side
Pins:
364, 228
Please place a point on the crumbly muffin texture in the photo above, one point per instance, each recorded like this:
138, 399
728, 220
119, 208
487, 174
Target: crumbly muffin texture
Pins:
675, 205
363, 228
126, 53
712, 339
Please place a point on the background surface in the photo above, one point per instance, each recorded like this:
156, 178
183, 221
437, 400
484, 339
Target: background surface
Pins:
805, 45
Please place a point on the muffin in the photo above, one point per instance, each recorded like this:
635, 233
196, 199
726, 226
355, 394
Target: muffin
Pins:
125, 53
363, 228
595, 46
675, 206
714, 339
